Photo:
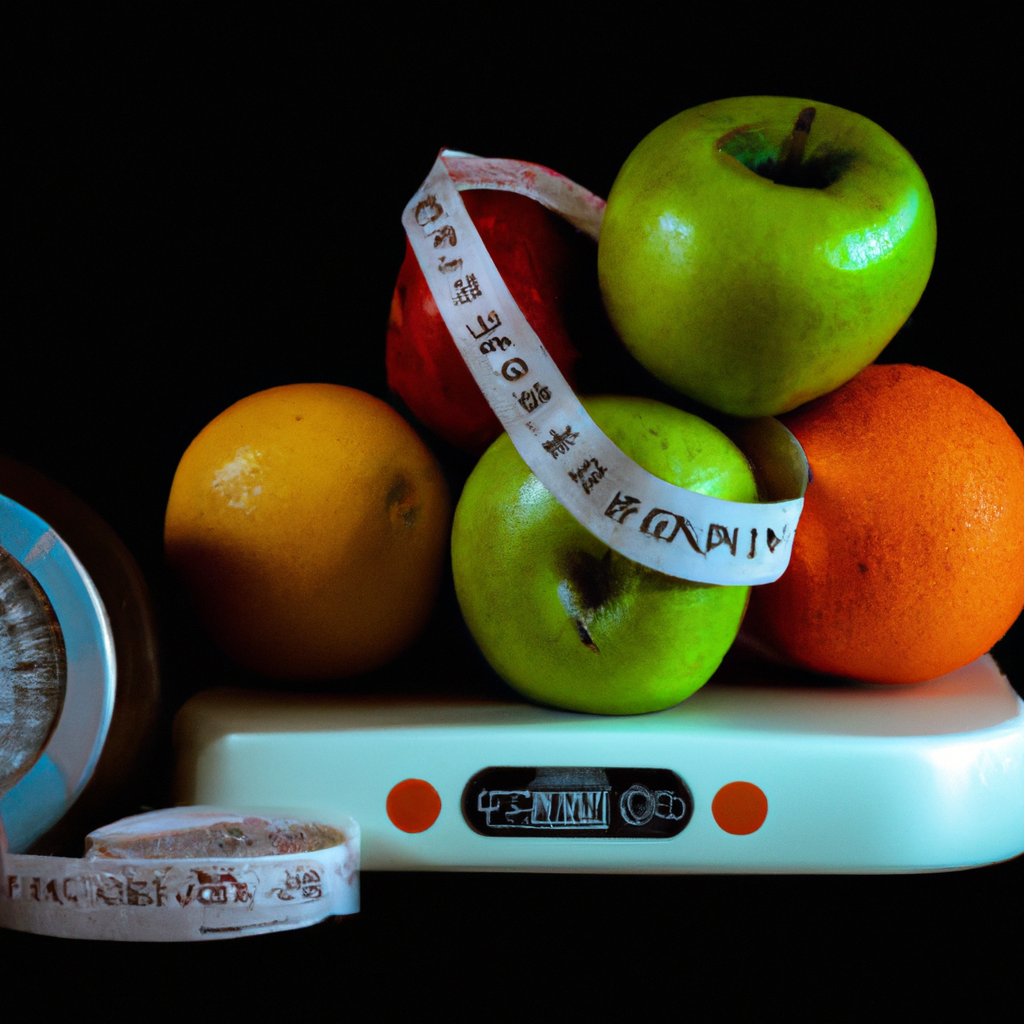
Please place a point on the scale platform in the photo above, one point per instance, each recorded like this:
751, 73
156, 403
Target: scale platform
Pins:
745, 776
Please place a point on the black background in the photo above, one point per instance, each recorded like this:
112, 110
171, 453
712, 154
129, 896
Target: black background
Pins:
204, 208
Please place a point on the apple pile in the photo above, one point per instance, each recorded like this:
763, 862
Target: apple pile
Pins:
756, 253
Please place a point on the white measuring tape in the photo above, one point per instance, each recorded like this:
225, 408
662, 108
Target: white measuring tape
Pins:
163, 899
665, 527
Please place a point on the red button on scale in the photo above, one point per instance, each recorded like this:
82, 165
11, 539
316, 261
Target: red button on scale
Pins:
740, 808
413, 805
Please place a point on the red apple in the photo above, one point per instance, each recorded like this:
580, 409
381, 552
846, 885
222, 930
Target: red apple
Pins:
537, 255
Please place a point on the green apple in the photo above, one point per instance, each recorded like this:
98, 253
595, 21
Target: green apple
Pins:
758, 252
563, 618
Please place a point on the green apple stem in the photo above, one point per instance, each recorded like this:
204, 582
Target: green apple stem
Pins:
792, 154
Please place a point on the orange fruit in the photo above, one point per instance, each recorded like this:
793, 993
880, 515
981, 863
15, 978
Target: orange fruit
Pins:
310, 525
908, 561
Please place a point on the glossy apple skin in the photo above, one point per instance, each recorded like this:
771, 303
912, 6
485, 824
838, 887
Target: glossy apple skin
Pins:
754, 297
525, 570
536, 254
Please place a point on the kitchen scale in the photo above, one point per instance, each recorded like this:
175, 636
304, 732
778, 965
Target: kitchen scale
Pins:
750, 774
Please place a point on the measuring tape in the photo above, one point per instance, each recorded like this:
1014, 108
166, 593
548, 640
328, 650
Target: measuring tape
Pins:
164, 899
668, 528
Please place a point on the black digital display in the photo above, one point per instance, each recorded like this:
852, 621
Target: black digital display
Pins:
613, 803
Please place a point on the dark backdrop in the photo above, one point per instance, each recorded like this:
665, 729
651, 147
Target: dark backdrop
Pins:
202, 209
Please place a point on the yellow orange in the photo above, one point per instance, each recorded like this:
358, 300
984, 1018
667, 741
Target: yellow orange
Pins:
908, 561
310, 525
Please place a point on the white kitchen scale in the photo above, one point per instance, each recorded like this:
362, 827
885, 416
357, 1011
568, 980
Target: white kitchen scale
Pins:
745, 776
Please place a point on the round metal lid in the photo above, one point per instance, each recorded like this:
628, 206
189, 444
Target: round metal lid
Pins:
63, 591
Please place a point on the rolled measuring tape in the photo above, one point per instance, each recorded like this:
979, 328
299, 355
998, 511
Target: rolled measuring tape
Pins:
187, 874
665, 527
184, 874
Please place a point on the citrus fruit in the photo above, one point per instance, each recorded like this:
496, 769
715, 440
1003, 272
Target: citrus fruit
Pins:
909, 558
310, 525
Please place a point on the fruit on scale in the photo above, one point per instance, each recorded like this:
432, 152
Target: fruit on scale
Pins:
757, 252
909, 558
566, 620
536, 254
309, 524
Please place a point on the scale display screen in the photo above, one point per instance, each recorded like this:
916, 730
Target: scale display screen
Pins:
619, 803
